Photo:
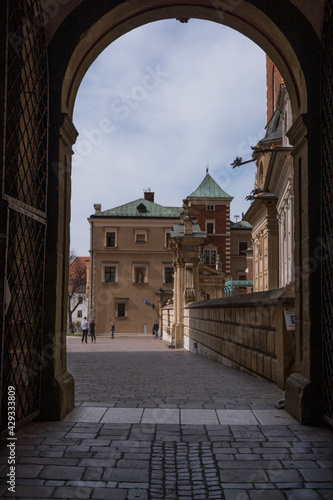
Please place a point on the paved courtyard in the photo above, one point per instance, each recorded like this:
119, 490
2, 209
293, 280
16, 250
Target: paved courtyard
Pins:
154, 423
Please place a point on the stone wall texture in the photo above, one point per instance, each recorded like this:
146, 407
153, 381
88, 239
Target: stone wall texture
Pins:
246, 332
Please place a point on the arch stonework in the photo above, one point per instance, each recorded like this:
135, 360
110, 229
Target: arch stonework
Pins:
77, 34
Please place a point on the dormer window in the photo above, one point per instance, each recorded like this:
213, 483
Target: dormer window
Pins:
142, 209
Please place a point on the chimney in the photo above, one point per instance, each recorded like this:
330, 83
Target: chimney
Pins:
97, 207
149, 196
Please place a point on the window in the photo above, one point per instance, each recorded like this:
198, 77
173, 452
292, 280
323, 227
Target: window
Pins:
142, 209
168, 274
210, 227
110, 272
110, 239
79, 313
140, 236
81, 288
209, 256
140, 273
121, 307
242, 247
121, 310
210, 207
167, 239
80, 300
206, 256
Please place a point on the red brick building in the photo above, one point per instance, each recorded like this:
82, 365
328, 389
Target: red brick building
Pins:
210, 206
273, 85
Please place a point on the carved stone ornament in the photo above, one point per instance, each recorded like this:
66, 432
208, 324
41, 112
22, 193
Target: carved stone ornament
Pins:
186, 213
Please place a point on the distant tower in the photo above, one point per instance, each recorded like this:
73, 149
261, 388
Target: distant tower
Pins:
210, 206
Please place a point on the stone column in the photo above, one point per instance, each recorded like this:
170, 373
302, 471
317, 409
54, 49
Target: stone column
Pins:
273, 247
178, 327
178, 298
57, 384
304, 389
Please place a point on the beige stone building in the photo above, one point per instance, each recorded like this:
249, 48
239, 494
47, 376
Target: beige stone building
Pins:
271, 213
131, 274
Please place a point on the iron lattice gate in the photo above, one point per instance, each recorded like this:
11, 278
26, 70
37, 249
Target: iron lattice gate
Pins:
327, 208
24, 184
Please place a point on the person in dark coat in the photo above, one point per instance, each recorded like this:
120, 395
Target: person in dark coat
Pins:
155, 329
92, 330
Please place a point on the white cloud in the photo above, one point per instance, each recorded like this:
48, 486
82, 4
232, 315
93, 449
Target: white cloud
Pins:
158, 105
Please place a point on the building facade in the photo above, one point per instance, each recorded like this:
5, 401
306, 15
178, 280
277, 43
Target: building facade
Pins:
131, 268
271, 213
210, 207
227, 241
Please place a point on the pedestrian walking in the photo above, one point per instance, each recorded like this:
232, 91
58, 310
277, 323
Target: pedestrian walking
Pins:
84, 328
155, 329
92, 330
112, 329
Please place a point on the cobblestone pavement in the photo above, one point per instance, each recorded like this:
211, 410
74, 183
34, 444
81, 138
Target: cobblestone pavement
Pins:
153, 423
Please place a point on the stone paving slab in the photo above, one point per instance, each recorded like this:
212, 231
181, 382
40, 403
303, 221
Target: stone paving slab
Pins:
237, 417
199, 417
86, 414
160, 416
274, 417
122, 415
170, 435
175, 416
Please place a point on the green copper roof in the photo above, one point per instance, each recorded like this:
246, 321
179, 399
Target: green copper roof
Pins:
242, 224
209, 189
141, 208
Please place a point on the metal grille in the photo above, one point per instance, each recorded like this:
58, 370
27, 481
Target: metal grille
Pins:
26, 120
24, 189
327, 208
23, 321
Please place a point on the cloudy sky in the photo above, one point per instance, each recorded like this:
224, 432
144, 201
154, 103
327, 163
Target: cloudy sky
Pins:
157, 106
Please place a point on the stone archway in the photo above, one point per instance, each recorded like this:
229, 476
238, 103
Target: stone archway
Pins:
77, 34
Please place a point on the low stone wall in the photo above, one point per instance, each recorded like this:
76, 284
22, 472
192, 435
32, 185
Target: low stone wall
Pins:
247, 332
